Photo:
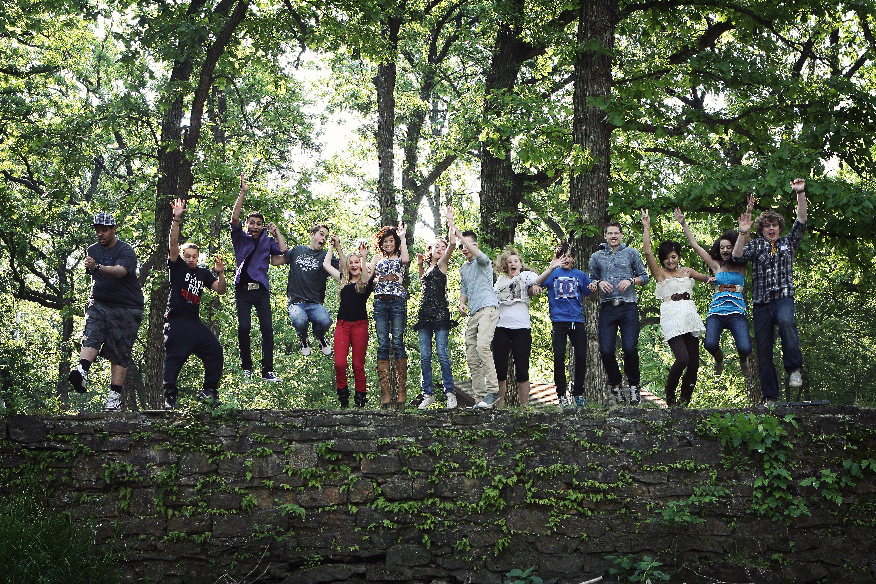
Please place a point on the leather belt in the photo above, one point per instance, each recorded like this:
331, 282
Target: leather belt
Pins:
679, 296
729, 288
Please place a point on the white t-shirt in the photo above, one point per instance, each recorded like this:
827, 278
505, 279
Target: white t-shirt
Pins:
513, 297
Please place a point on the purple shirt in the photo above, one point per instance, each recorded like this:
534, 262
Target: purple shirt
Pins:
265, 246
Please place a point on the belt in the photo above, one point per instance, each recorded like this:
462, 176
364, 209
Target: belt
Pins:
615, 301
678, 296
388, 297
388, 278
249, 286
729, 287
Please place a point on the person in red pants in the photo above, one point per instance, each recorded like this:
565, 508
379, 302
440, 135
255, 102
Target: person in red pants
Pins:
351, 331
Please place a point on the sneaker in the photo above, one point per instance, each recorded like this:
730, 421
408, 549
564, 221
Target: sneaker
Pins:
451, 400
169, 402
579, 400
796, 378
617, 395
210, 396
564, 402
324, 346
270, 376
113, 401
305, 346
489, 401
78, 379
428, 400
247, 375
359, 399
635, 397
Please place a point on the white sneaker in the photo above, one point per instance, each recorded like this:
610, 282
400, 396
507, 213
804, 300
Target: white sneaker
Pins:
113, 401
796, 378
305, 346
247, 375
324, 346
428, 400
451, 400
78, 379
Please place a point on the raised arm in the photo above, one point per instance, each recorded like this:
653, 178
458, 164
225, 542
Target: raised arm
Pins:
327, 261
219, 286
179, 207
646, 246
451, 242
238, 204
402, 232
367, 272
698, 276
555, 263
799, 186
704, 255
281, 241
744, 229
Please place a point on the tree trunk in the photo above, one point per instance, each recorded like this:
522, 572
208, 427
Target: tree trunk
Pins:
588, 189
384, 83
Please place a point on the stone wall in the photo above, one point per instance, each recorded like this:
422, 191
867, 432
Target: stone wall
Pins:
314, 496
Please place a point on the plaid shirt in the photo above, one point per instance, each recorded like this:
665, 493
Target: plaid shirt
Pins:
772, 265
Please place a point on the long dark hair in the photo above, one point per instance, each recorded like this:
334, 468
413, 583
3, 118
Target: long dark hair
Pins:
730, 235
387, 231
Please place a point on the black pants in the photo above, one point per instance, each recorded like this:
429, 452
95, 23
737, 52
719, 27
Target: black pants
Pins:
184, 337
686, 349
578, 337
517, 342
245, 300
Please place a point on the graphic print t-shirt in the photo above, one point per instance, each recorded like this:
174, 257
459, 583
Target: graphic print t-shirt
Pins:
306, 277
186, 286
566, 292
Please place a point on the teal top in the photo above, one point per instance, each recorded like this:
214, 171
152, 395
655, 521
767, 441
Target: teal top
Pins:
728, 302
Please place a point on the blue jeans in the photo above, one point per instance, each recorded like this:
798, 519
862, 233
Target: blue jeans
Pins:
623, 317
737, 324
390, 317
779, 313
303, 312
442, 340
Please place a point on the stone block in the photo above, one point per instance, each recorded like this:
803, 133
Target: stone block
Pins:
26, 429
407, 555
303, 456
378, 573
321, 497
380, 465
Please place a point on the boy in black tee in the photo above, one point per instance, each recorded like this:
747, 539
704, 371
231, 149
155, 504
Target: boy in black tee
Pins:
184, 331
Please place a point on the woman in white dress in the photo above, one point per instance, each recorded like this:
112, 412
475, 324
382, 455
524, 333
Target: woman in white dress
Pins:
681, 324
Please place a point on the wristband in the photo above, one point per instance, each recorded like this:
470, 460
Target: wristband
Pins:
743, 233
633, 281
97, 268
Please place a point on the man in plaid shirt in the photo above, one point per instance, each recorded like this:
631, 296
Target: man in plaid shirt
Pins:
772, 274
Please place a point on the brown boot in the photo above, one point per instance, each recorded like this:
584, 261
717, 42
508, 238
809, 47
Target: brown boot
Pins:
401, 382
385, 385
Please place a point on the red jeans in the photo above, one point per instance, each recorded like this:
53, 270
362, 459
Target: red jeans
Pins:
349, 334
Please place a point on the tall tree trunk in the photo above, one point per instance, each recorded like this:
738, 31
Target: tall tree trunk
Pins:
501, 188
384, 83
588, 190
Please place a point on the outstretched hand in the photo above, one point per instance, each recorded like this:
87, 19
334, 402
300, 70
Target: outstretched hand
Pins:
218, 264
745, 219
646, 218
243, 185
179, 207
798, 184
448, 213
402, 230
679, 216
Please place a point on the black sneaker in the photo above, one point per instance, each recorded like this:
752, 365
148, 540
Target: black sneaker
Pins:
169, 402
635, 395
324, 346
210, 396
359, 399
78, 379
271, 376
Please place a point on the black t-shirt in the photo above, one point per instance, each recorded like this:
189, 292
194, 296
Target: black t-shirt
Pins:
186, 285
124, 291
307, 277
353, 305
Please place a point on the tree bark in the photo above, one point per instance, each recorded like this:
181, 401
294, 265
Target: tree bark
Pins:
588, 190
384, 83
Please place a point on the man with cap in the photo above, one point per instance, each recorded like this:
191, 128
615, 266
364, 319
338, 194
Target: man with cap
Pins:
114, 310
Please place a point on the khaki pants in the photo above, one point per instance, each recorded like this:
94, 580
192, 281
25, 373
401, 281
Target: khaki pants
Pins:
478, 336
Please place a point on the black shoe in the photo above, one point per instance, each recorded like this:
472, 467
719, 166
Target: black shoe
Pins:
210, 396
344, 397
359, 399
78, 379
170, 400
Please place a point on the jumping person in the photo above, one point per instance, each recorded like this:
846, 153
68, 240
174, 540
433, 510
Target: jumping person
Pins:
391, 310
434, 316
727, 310
478, 300
514, 287
772, 273
681, 324
616, 270
114, 310
351, 330
184, 331
253, 251
567, 288
305, 289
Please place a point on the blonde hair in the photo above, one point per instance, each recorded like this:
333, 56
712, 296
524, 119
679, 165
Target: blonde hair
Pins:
345, 275
501, 262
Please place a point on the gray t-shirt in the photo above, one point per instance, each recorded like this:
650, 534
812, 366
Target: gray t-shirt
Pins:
477, 283
124, 291
307, 277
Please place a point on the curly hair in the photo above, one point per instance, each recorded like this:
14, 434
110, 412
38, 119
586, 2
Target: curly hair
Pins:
666, 248
768, 217
731, 236
387, 231
501, 263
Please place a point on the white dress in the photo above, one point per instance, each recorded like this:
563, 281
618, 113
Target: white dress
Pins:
678, 317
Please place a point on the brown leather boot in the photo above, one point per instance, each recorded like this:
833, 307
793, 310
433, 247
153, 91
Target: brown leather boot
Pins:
401, 382
385, 385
